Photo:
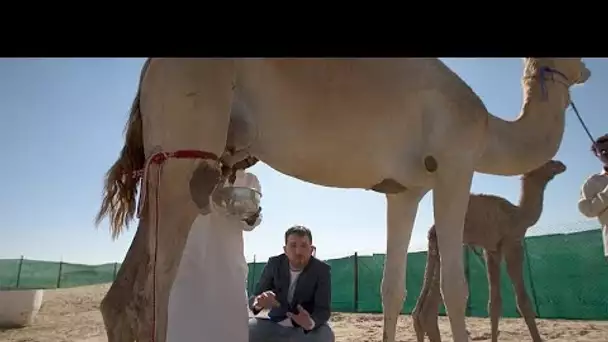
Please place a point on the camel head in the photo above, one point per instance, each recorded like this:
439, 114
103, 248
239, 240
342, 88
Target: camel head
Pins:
547, 171
573, 69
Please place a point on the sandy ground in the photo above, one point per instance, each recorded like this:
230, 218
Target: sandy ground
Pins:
72, 315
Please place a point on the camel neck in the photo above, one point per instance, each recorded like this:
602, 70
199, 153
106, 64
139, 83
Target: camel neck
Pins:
531, 201
519, 146
542, 119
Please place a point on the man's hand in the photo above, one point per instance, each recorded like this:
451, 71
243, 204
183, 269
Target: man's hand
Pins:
251, 219
266, 300
302, 318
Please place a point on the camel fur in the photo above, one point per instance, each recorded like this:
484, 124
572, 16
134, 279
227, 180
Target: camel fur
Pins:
499, 227
399, 126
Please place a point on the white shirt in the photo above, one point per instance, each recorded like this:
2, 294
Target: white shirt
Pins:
594, 202
293, 280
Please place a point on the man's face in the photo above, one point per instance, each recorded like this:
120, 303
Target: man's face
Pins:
298, 250
601, 151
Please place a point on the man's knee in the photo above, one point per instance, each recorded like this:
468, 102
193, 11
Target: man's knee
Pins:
256, 326
324, 333
262, 330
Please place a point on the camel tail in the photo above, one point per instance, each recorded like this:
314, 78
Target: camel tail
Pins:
120, 184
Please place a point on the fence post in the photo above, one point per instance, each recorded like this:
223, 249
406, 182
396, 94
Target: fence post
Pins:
467, 274
531, 280
19, 271
58, 285
252, 285
115, 270
356, 284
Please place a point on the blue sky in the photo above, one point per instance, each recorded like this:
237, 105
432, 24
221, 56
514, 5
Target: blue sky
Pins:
61, 123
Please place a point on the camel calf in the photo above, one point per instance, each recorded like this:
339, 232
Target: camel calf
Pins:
499, 227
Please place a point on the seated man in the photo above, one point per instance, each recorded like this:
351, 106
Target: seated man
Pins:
296, 288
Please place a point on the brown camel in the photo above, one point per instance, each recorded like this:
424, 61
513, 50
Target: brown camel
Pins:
499, 227
320, 121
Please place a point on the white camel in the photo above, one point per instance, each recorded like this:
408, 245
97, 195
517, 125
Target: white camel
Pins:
397, 126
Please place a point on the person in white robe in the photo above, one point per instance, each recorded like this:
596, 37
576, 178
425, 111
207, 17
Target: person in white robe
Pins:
208, 299
593, 200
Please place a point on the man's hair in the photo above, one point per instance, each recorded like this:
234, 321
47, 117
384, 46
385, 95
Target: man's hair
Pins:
299, 231
598, 141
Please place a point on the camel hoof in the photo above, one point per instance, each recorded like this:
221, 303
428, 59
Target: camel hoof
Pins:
204, 179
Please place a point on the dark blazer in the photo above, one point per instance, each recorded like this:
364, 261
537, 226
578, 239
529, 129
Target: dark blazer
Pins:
312, 292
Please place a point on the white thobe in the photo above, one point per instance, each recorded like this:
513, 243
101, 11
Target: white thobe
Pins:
208, 301
594, 203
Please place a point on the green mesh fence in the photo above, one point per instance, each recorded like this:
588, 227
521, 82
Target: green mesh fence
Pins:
566, 277
28, 274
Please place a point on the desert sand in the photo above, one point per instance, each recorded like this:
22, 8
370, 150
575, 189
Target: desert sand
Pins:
72, 315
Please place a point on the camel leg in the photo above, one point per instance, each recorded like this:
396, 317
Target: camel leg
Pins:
125, 294
401, 213
495, 300
450, 202
514, 258
430, 312
116, 320
126, 309
426, 312
117, 326
185, 105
